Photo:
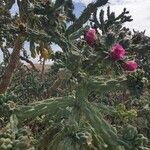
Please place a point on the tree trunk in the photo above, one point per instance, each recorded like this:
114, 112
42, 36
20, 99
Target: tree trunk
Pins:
13, 62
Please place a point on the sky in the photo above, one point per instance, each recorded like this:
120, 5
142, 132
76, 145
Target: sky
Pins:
139, 9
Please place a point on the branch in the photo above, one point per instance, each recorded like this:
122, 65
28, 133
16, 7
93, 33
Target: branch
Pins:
52, 89
105, 24
43, 107
61, 76
53, 36
43, 68
91, 8
30, 62
100, 85
29, 33
13, 62
82, 19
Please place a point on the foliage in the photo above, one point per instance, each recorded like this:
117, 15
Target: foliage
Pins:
76, 104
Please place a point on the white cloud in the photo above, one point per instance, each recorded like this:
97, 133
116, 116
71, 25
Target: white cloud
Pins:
85, 2
139, 10
114, 2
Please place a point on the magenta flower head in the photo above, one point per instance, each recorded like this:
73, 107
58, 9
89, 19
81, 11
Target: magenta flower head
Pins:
90, 36
117, 52
130, 65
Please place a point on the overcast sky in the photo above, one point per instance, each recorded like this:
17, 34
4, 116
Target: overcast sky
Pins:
139, 9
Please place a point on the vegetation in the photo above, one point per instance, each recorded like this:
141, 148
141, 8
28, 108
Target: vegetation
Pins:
96, 94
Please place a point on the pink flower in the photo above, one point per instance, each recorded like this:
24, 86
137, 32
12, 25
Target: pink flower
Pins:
130, 65
90, 36
117, 52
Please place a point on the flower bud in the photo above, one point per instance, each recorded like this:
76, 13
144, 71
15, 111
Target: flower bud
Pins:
130, 65
117, 52
90, 36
